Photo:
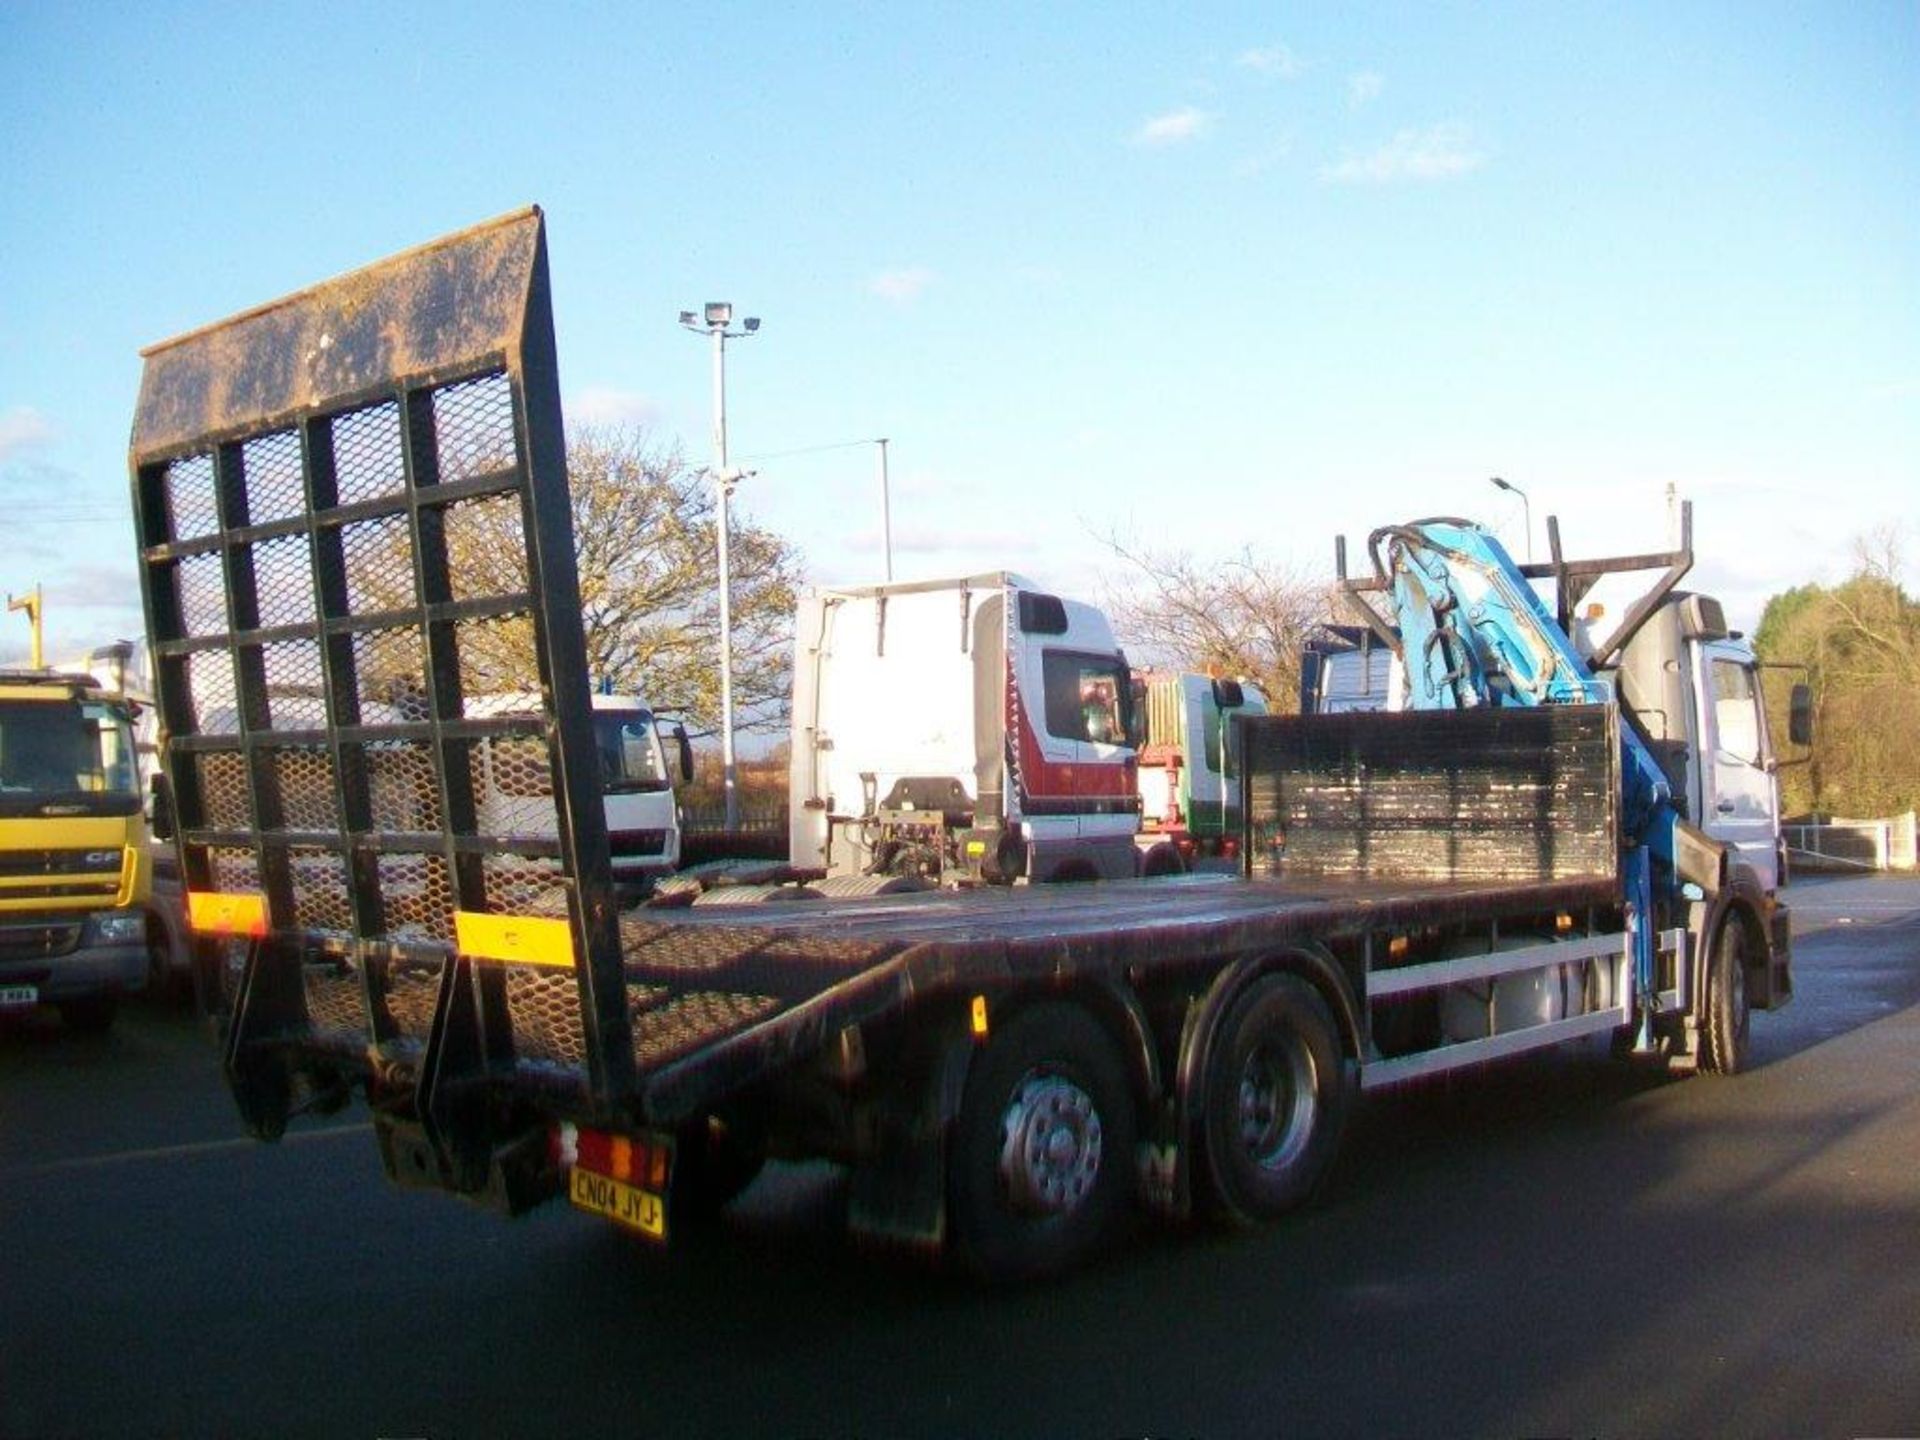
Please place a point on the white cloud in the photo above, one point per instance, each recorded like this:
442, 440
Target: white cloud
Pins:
901, 286
604, 405
1275, 60
21, 428
1176, 127
1364, 88
1439, 152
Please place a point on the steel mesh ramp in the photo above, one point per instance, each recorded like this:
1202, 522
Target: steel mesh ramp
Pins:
353, 518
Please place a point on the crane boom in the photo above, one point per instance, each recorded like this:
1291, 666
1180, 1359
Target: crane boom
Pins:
1474, 633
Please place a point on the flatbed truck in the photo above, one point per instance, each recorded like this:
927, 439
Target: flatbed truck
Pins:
1007, 1072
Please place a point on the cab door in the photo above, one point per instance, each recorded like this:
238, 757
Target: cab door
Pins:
1740, 806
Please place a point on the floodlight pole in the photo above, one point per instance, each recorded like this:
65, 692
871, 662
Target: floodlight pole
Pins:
886, 511
714, 322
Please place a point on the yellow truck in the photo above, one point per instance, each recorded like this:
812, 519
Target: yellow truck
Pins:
76, 873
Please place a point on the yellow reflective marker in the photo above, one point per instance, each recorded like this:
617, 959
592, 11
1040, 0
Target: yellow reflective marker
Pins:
979, 1017
517, 939
212, 912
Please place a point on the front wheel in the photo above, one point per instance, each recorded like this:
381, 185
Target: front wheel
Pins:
1041, 1170
1275, 1102
1723, 1029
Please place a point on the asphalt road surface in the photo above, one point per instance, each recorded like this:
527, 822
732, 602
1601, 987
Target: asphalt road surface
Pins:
1560, 1246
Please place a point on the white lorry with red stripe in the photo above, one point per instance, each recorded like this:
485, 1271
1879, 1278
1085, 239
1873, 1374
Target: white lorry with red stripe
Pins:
974, 729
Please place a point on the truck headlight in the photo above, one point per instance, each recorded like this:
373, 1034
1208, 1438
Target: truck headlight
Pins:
118, 927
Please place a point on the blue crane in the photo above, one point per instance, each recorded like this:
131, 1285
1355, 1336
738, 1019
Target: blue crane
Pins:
1473, 632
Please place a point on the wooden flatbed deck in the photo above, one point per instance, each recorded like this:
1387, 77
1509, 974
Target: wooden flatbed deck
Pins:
722, 996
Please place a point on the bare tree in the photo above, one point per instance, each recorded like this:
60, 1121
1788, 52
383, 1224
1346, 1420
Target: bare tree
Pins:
1244, 616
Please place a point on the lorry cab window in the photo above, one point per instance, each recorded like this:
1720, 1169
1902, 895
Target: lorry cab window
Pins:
59, 749
1083, 696
1736, 711
630, 757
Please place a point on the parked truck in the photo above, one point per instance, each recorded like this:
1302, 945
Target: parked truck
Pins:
1189, 768
960, 731
643, 815
1349, 667
76, 875
1006, 1071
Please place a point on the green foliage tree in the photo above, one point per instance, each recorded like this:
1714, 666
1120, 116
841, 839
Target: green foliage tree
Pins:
649, 594
647, 552
1860, 643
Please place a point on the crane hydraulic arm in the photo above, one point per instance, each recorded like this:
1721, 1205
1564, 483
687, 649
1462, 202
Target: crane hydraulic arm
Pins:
1473, 632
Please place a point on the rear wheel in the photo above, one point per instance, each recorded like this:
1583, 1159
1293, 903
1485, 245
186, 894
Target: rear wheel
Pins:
1275, 1102
1162, 859
1042, 1167
1723, 1029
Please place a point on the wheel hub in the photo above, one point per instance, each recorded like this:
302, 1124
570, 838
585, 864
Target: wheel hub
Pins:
1051, 1145
1276, 1104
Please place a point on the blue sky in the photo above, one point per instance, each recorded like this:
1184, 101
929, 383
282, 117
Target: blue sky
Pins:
1196, 277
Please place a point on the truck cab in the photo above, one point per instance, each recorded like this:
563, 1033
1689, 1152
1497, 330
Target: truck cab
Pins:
643, 817
1694, 688
1189, 767
75, 869
1347, 667
960, 731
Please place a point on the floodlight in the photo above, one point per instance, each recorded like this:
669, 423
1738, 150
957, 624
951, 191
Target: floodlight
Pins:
686, 317
751, 324
719, 312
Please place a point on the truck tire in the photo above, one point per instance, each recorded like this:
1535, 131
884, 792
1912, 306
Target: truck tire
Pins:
1163, 859
1724, 1021
1041, 1165
91, 1016
1275, 1101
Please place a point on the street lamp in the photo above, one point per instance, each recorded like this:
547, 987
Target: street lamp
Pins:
714, 320
1526, 510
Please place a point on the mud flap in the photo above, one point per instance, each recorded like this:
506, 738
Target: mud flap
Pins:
1770, 985
519, 1174
898, 1195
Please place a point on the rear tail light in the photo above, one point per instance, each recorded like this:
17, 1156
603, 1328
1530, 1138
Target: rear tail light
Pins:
637, 1161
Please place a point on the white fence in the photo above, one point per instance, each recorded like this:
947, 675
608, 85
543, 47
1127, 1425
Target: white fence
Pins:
1857, 845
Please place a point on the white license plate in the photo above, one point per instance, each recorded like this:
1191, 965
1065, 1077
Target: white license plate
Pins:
19, 997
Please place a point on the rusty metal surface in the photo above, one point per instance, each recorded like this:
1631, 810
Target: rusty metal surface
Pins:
800, 971
442, 308
1513, 793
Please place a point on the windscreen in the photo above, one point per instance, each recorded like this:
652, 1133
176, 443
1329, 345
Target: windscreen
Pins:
80, 753
629, 748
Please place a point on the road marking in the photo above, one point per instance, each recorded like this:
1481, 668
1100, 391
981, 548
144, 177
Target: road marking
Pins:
176, 1152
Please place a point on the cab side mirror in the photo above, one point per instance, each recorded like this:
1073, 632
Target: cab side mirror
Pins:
160, 808
685, 747
1135, 722
1800, 715
1227, 694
